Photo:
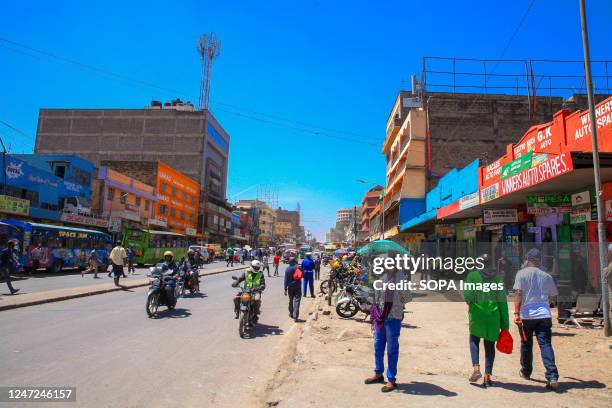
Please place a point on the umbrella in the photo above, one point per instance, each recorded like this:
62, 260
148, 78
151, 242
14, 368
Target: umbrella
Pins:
382, 246
340, 252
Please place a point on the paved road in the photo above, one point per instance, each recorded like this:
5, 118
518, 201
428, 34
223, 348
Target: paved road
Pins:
71, 278
117, 357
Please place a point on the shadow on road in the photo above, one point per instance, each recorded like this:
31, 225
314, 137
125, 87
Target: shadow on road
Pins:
263, 330
195, 296
564, 386
422, 388
178, 313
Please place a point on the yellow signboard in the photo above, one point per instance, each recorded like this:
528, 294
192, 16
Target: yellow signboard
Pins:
13, 205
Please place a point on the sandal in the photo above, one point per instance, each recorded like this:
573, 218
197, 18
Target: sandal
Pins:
376, 379
389, 386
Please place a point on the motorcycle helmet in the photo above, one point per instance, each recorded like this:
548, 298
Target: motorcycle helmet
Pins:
168, 253
256, 265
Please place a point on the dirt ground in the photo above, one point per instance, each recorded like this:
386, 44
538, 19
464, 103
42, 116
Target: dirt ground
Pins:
334, 355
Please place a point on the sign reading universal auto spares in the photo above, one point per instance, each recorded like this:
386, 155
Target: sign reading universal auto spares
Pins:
499, 215
13, 205
516, 166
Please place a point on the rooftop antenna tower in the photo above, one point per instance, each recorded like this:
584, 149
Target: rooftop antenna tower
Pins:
209, 48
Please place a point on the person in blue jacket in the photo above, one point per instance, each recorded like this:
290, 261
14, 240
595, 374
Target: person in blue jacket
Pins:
308, 267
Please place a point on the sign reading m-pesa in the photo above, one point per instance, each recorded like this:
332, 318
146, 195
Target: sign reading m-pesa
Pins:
551, 168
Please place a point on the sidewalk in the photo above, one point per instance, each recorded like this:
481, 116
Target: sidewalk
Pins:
75, 286
335, 355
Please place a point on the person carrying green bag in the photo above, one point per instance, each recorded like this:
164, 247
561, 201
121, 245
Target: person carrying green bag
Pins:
488, 314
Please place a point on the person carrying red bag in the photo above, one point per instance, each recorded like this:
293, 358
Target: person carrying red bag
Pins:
488, 315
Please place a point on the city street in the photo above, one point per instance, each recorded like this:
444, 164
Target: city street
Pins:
107, 347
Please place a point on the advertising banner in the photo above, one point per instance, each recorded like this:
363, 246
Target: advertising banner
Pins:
13, 205
581, 198
549, 204
469, 201
83, 220
554, 166
516, 166
499, 215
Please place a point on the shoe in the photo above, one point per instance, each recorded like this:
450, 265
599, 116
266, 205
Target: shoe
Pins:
236, 315
552, 385
486, 382
109, 275
376, 379
523, 375
476, 375
312, 296
14, 291
388, 387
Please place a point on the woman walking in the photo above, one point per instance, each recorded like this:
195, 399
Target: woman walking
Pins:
488, 314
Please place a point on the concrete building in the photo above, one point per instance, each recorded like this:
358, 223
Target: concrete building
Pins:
264, 219
190, 141
178, 195
293, 218
368, 204
429, 134
283, 231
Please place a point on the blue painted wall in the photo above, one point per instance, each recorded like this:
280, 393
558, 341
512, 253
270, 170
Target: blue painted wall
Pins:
410, 208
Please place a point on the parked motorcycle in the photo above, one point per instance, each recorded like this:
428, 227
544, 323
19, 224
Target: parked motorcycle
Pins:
163, 290
246, 311
353, 299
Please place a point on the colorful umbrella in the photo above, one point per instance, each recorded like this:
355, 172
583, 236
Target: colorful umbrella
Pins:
382, 246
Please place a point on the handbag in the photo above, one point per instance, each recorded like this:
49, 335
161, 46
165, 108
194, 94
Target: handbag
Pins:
505, 342
298, 274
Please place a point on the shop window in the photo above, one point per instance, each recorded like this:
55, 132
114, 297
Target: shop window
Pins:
184, 195
173, 192
122, 198
172, 212
182, 215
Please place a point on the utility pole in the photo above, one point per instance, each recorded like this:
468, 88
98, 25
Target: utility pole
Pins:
355, 228
601, 228
4, 186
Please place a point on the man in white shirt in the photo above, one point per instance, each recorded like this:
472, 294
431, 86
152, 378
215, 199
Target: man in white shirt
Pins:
118, 257
534, 288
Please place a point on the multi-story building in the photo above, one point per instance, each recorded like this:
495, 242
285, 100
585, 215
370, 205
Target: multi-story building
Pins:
218, 221
178, 194
188, 140
124, 200
283, 231
292, 217
264, 219
368, 204
48, 187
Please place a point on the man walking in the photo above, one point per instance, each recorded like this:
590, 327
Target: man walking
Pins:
266, 264
293, 289
308, 267
229, 257
118, 258
317, 267
131, 255
36, 256
276, 264
8, 264
534, 289
92, 264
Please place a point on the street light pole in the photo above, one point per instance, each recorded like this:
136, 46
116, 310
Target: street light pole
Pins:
601, 228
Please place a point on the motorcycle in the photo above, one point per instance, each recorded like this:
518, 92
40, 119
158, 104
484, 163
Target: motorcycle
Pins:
246, 311
353, 299
164, 290
189, 279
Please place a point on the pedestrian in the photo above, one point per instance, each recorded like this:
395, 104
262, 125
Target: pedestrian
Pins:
8, 263
308, 267
488, 314
118, 258
240, 256
317, 267
36, 256
259, 254
276, 262
608, 274
131, 253
534, 290
92, 264
293, 289
387, 314
229, 257
266, 264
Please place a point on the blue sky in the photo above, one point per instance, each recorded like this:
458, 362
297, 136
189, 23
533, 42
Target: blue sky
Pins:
325, 73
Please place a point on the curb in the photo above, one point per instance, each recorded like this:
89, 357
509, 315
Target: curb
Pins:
91, 292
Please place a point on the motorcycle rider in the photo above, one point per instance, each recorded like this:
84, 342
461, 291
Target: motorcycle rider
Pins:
169, 264
192, 264
254, 279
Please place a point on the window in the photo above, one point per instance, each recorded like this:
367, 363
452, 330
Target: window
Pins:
111, 194
172, 212
122, 198
182, 215
173, 192
147, 203
192, 200
184, 196
163, 187
162, 209
80, 176
138, 201
190, 217
60, 171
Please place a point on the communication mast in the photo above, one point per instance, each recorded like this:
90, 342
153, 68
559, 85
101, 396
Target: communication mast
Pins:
209, 48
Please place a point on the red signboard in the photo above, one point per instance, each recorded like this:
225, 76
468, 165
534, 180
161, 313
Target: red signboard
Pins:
545, 138
552, 167
578, 128
448, 210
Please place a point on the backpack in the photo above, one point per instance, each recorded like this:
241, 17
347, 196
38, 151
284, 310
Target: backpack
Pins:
298, 274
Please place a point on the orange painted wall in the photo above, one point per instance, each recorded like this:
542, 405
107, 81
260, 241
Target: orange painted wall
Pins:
169, 180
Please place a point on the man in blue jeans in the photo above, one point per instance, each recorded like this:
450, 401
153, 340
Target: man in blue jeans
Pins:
308, 267
534, 288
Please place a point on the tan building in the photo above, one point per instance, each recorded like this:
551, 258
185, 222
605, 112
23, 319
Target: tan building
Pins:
283, 231
264, 220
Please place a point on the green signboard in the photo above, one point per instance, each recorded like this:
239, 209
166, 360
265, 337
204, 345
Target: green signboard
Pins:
552, 200
516, 166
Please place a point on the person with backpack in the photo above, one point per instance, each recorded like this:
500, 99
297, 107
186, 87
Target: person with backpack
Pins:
293, 288
488, 315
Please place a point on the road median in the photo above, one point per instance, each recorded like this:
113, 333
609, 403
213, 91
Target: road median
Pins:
38, 298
